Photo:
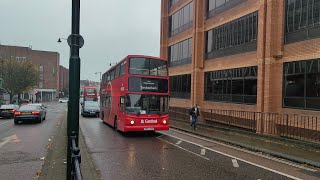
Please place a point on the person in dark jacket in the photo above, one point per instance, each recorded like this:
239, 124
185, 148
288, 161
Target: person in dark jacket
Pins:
195, 113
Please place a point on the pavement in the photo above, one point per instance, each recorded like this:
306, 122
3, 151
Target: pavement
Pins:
294, 150
55, 164
175, 154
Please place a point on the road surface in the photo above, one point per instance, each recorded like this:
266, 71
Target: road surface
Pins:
176, 155
22, 146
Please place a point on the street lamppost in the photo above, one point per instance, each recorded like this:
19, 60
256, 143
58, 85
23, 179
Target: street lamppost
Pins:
75, 41
99, 76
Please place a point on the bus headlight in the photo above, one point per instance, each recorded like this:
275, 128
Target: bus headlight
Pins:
132, 122
164, 121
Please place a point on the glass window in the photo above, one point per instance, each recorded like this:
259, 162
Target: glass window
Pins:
238, 32
117, 71
108, 77
302, 84
181, 52
112, 74
180, 86
90, 90
150, 67
191, 12
301, 17
232, 85
211, 4
294, 85
220, 3
190, 48
146, 104
218, 6
316, 12
123, 68
185, 48
181, 18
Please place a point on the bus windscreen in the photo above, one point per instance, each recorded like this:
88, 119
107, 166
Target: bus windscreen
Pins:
148, 67
146, 104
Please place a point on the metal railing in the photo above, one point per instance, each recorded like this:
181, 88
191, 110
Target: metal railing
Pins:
75, 160
296, 126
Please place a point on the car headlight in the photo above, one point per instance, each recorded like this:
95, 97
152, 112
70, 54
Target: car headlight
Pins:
132, 122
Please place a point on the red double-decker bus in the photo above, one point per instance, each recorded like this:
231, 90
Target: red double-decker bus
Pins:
134, 94
90, 93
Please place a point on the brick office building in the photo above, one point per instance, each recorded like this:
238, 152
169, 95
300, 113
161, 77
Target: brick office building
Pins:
254, 55
64, 79
48, 63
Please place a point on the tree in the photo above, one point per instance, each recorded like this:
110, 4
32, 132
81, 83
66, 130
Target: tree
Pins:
19, 76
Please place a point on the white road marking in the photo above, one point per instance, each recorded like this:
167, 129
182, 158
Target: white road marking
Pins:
235, 163
4, 122
179, 142
184, 149
203, 152
228, 155
247, 151
8, 139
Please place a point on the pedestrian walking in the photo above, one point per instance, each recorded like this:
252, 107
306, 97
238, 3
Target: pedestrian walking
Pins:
195, 113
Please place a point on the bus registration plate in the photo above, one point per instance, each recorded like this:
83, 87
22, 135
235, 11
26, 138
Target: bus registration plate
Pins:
148, 129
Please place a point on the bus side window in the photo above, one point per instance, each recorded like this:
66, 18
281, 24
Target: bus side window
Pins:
122, 103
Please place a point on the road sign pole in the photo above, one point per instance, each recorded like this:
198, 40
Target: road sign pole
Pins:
75, 42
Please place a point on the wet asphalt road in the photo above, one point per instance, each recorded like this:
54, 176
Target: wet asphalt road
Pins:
160, 156
22, 146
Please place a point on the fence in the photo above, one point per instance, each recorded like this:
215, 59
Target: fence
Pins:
286, 125
76, 160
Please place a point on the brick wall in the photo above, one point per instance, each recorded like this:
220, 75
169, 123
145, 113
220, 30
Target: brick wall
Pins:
270, 55
49, 60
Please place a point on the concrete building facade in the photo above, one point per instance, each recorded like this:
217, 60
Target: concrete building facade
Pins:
254, 55
49, 67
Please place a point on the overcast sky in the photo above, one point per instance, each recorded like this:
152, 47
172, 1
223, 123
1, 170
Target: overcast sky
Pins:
111, 29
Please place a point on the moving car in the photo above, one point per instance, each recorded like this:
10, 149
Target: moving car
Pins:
7, 111
27, 113
63, 100
90, 108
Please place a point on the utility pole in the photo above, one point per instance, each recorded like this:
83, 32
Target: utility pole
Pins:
75, 42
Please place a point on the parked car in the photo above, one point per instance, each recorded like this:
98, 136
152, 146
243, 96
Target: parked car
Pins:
7, 111
63, 100
24, 101
27, 113
90, 108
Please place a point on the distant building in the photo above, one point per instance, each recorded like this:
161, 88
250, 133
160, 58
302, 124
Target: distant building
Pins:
63, 80
51, 79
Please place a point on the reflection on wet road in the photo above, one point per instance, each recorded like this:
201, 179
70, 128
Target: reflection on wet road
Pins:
150, 155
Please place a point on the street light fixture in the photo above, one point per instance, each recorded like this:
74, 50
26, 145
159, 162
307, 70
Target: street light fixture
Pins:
112, 64
59, 40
